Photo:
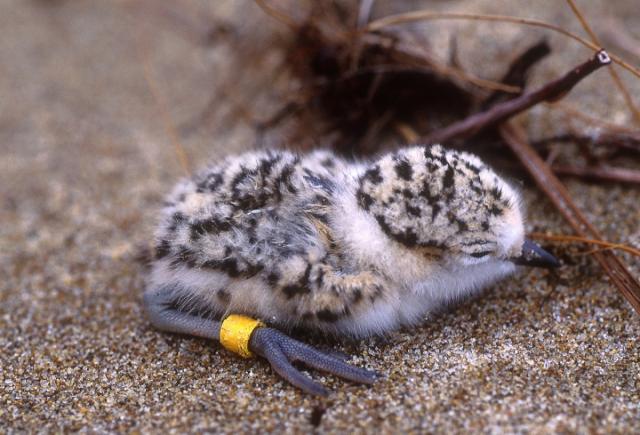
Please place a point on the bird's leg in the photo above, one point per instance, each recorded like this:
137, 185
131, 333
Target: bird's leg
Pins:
165, 314
281, 350
246, 336
323, 294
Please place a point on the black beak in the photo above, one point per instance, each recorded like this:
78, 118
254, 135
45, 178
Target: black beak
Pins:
534, 256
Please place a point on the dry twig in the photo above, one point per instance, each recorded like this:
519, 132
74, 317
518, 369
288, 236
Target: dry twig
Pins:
544, 177
503, 111
422, 15
600, 172
572, 112
515, 138
159, 99
612, 71
518, 72
624, 141
563, 238
396, 53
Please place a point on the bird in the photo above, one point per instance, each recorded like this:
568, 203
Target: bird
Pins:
263, 242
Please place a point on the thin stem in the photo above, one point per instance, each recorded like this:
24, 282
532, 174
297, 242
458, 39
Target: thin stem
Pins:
561, 238
507, 109
422, 15
515, 138
160, 100
614, 74
411, 54
589, 119
274, 13
602, 172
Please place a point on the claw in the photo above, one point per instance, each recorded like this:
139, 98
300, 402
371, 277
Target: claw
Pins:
281, 350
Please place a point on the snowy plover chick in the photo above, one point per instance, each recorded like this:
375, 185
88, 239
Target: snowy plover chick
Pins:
347, 248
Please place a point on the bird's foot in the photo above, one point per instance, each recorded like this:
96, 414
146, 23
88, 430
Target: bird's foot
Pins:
281, 350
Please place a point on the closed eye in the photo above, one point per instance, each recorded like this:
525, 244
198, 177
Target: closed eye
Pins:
480, 254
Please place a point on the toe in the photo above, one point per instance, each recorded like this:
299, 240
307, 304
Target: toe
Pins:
283, 367
280, 350
267, 342
297, 351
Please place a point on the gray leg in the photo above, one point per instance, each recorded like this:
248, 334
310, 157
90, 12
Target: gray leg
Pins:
164, 315
279, 349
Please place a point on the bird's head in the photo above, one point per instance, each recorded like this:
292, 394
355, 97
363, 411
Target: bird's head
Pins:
448, 205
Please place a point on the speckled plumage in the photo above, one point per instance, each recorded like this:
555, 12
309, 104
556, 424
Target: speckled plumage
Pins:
353, 248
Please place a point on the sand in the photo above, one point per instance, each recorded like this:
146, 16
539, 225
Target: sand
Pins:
86, 89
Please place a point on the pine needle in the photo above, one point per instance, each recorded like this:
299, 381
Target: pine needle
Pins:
562, 238
614, 74
422, 15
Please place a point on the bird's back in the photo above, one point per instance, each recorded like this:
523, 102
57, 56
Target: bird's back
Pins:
252, 234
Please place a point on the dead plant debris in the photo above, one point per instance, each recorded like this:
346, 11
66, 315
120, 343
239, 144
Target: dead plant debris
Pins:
365, 88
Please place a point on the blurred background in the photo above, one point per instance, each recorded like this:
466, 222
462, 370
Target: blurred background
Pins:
104, 105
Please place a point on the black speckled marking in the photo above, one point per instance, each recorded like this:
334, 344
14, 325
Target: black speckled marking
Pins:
284, 179
373, 175
210, 183
273, 278
425, 192
239, 178
230, 267
328, 162
318, 181
404, 170
407, 237
448, 179
435, 209
407, 193
364, 200
334, 290
495, 210
305, 278
356, 296
322, 217
414, 211
267, 164
223, 296
326, 315
293, 290
319, 277
496, 193
163, 248
177, 219
383, 224
184, 257
376, 294
472, 168
432, 166
208, 226
253, 269
433, 244
428, 153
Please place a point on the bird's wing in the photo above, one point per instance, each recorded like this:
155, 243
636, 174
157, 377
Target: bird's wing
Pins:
225, 218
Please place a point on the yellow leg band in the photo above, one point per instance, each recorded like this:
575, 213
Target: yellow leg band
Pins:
235, 333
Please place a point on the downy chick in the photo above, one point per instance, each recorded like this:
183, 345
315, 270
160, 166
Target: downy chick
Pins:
346, 248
